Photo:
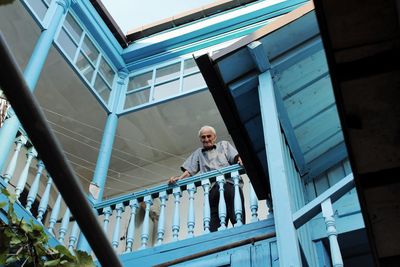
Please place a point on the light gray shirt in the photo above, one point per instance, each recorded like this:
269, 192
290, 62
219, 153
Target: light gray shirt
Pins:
222, 155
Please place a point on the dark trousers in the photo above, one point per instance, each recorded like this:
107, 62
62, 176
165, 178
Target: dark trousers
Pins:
229, 194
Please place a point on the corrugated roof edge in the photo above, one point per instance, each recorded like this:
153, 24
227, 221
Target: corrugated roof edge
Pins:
185, 17
271, 27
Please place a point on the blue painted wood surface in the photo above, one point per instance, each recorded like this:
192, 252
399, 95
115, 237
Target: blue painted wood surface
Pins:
289, 252
9, 173
171, 251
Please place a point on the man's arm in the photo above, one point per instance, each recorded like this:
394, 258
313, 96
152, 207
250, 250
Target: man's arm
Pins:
173, 179
239, 160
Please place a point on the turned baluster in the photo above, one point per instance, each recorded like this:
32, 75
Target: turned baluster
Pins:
206, 205
64, 226
327, 213
221, 203
45, 199
25, 171
161, 222
148, 201
119, 210
191, 189
177, 192
20, 141
130, 237
35, 186
253, 204
237, 199
54, 214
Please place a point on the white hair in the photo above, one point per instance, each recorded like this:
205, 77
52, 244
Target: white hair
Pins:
206, 127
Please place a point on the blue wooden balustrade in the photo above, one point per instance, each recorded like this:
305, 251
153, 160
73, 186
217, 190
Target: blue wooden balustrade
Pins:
63, 229
175, 193
38, 199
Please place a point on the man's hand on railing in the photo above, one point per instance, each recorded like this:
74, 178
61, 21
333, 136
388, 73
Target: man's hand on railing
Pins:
173, 179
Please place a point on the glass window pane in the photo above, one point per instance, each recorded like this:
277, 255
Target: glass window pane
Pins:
141, 80
67, 44
165, 90
137, 98
101, 87
90, 50
48, 2
38, 7
168, 72
107, 71
189, 66
85, 67
73, 28
193, 82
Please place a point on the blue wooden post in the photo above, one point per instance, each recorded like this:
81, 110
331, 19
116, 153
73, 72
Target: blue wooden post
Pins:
25, 171
191, 189
327, 213
238, 199
161, 222
54, 214
32, 73
289, 252
253, 203
45, 199
103, 159
117, 228
8, 175
64, 226
35, 186
221, 203
177, 192
73, 237
148, 200
106, 220
130, 236
206, 205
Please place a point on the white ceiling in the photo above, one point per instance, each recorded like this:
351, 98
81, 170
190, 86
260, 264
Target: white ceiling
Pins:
151, 143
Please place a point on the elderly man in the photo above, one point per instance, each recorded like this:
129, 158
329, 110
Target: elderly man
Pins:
212, 156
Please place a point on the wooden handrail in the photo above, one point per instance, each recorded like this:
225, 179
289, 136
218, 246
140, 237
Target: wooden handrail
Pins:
196, 179
335, 192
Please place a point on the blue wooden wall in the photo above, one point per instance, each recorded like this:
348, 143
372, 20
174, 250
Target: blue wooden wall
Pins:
297, 201
347, 209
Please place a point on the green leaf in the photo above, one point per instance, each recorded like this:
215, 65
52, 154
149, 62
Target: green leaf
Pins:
12, 259
15, 240
65, 252
84, 259
3, 257
55, 262
2, 204
5, 2
27, 228
5, 191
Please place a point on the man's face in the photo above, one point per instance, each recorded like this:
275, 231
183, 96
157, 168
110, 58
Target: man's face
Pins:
207, 138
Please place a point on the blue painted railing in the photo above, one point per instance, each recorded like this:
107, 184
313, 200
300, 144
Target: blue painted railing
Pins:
39, 197
181, 209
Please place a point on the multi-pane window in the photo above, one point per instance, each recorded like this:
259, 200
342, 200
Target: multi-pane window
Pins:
39, 7
163, 82
79, 48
